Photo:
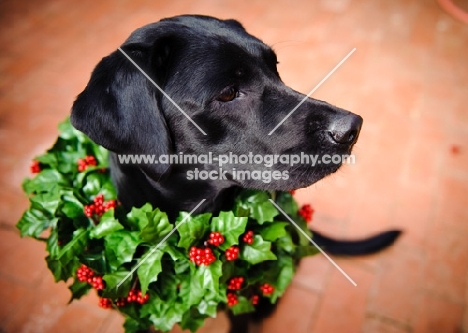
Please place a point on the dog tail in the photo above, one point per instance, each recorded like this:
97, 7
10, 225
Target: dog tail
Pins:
365, 246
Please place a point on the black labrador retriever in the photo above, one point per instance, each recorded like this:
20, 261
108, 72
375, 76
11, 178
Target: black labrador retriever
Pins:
220, 93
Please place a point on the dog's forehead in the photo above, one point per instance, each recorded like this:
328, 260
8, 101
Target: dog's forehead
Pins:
229, 32
198, 29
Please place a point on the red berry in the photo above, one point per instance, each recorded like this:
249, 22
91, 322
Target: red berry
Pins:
306, 212
109, 205
136, 296
248, 237
84, 274
35, 167
255, 299
83, 163
232, 253
105, 303
99, 199
90, 160
267, 289
292, 192
216, 238
201, 256
236, 283
89, 210
97, 283
232, 299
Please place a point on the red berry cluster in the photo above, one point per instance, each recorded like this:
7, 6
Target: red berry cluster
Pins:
232, 299
135, 296
306, 212
232, 253
99, 206
35, 167
216, 239
86, 274
202, 256
255, 299
267, 289
248, 237
97, 283
84, 163
236, 283
105, 303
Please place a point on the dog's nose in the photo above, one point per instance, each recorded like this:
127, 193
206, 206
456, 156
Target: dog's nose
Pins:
345, 130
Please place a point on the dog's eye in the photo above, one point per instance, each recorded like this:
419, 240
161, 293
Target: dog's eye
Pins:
228, 94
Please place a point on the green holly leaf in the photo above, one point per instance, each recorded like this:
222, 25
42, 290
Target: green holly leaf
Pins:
173, 251
306, 250
209, 308
171, 316
118, 284
96, 261
274, 231
149, 268
192, 320
34, 222
52, 244
93, 182
71, 206
108, 190
74, 247
259, 206
45, 181
286, 243
264, 212
134, 326
242, 211
46, 202
283, 277
68, 132
137, 217
60, 271
287, 203
107, 225
191, 288
259, 251
48, 159
243, 306
230, 227
156, 227
181, 266
209, 277
78, 289
101, 154
192, 229
120, 246
68, 160
303, 240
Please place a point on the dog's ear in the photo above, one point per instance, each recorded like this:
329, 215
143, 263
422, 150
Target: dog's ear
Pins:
234, 24
119, 108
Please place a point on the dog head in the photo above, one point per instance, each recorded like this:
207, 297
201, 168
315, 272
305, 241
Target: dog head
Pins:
215, 89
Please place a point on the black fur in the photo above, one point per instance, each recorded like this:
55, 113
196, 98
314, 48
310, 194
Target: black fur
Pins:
198, 61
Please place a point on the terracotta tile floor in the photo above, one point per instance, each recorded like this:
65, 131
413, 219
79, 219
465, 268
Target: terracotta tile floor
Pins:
409, 80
